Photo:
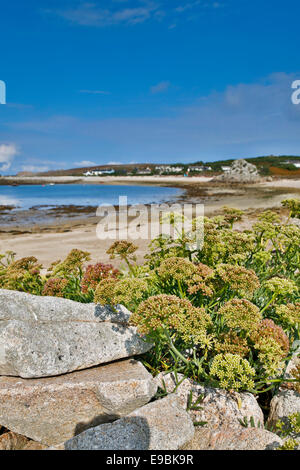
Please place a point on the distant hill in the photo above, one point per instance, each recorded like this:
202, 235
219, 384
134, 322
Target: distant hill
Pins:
119, 169
267, 165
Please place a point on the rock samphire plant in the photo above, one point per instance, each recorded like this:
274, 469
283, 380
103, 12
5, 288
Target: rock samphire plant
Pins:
226, 314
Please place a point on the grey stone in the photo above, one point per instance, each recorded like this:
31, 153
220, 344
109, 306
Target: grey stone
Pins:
217, 407
160, 425
283, 404
48, 336
226, 438
53, 409
286, 401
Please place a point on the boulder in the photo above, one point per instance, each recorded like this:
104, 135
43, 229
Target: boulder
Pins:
286, 401
160, 425
216, 407
240, 172
54, 409
227, 438
48, 336
283, 404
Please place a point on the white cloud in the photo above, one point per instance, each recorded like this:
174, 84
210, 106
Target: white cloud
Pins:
187, 6
89, 14
160, 87
35, 168
7, 154
130, 12
85, 163
95, 92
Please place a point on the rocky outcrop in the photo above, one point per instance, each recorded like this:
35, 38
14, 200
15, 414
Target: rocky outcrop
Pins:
162, 424
54, 409
240, 172
48, 336
226, 438
214, 406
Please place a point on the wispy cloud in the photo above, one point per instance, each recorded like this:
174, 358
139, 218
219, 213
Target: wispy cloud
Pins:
90, 14
160, 87
129, 12
7, 154
35, 168
188, 6
85, 163
95, 92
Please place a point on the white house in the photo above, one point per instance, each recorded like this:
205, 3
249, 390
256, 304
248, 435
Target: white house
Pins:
99, 172
169, 169
295, 163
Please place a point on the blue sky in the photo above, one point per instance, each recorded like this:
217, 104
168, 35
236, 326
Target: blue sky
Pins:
146, 81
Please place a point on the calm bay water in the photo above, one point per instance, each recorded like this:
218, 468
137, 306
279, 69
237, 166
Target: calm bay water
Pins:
26, 196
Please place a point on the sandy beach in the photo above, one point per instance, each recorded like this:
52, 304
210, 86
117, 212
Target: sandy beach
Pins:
77, 229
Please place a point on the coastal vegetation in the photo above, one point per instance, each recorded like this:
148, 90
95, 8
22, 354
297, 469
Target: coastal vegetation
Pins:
226, 314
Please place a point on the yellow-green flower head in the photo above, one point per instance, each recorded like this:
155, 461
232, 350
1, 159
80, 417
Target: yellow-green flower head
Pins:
72, 264
104, 293
262, 257
55, 287
231, 214
269, 217
293, 205
220, 221
237, 243
270, 356
232, 372
240, 314
121, 248
289, 444
232, 343
268, 224
294, 420
238, 278
289, 315
176, 268
24, 263
172, 313
268, 329
124, 291
201, 281
280, 286
172, 218
289, 235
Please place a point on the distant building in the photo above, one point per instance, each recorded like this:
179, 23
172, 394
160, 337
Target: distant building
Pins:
169, 169
196, 168
225, 168
104, 171
293, 162
144, 171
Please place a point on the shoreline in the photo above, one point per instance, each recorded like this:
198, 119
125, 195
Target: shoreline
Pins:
76, 228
